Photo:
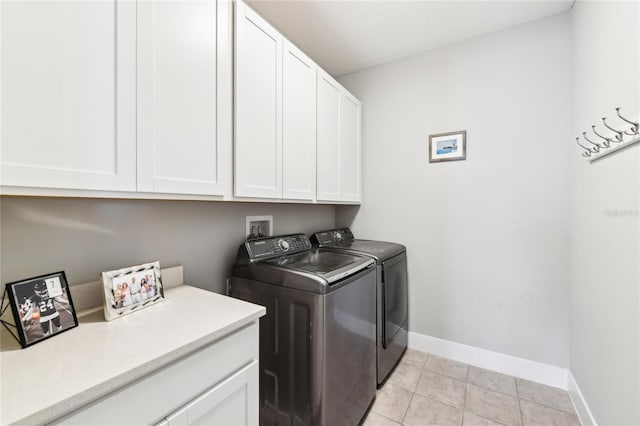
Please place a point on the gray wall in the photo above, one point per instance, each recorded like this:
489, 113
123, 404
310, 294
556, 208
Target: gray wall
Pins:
488, 237
85, 237
605, 243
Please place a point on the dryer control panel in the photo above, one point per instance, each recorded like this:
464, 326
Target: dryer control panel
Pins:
262, 248
331, 237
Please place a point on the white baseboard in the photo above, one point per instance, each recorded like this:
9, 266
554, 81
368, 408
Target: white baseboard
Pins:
506, 364
580, 404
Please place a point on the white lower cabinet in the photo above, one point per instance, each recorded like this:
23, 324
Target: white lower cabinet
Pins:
225, 404
216, 385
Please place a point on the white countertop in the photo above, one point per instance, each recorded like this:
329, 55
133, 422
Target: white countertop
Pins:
65, 372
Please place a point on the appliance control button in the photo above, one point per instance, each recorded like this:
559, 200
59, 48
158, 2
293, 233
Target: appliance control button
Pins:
284, 245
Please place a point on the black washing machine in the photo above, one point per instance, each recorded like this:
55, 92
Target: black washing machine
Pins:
392, 291
318, 337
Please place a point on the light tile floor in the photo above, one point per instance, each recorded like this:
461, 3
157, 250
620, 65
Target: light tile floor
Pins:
428, 390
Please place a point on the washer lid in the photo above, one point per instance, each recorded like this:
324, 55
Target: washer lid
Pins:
291, 261
331, 266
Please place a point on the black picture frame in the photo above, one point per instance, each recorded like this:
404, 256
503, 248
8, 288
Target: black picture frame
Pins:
41, 300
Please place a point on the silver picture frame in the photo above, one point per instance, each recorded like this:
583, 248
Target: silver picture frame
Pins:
130, 289
451, 146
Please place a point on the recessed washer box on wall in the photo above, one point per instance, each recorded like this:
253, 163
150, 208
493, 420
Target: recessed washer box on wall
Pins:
259, 226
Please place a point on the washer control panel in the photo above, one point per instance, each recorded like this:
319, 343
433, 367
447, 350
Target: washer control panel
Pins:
274, 246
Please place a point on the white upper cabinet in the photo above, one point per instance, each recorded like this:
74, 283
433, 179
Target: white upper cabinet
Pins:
68, 94
258, 106
182, 63
107, 96
298, 124
339, 157
350, 110
328, 138
275, 121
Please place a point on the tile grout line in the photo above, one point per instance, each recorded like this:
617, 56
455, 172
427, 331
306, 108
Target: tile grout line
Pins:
484, 416
431, 398
487, 418
446, 375
547, 406
464, 403
413, 394
517, 395
519, 405
388, 418
404, 416
464, 400
437, 400
474, 413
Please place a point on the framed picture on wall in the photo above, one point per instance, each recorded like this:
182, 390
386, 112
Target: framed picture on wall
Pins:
131, 289
42, 307
450, 146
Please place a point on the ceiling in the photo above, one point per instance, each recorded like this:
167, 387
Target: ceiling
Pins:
351, 35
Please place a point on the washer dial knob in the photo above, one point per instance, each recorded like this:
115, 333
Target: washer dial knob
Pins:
284, 245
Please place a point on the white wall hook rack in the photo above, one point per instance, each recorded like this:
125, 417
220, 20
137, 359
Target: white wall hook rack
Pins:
613, 149
603, 145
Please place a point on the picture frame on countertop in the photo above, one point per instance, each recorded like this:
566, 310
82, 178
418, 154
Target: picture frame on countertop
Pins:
42, 308
450, 146
130, 289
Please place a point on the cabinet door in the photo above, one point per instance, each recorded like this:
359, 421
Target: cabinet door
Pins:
298, 124
258, 106
178, 146
350, 156
68, 94
232, 402
328, 134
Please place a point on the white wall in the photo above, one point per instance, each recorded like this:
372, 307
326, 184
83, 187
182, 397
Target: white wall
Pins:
87, 236
605, 241
487, 238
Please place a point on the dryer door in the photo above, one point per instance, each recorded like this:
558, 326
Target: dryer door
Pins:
395, 302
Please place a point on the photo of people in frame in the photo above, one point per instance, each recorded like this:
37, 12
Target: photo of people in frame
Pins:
129, 289
134, 288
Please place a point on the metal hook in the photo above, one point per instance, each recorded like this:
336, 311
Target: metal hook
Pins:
608, 140
618, 137
635, 126
587, 152
584, 135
